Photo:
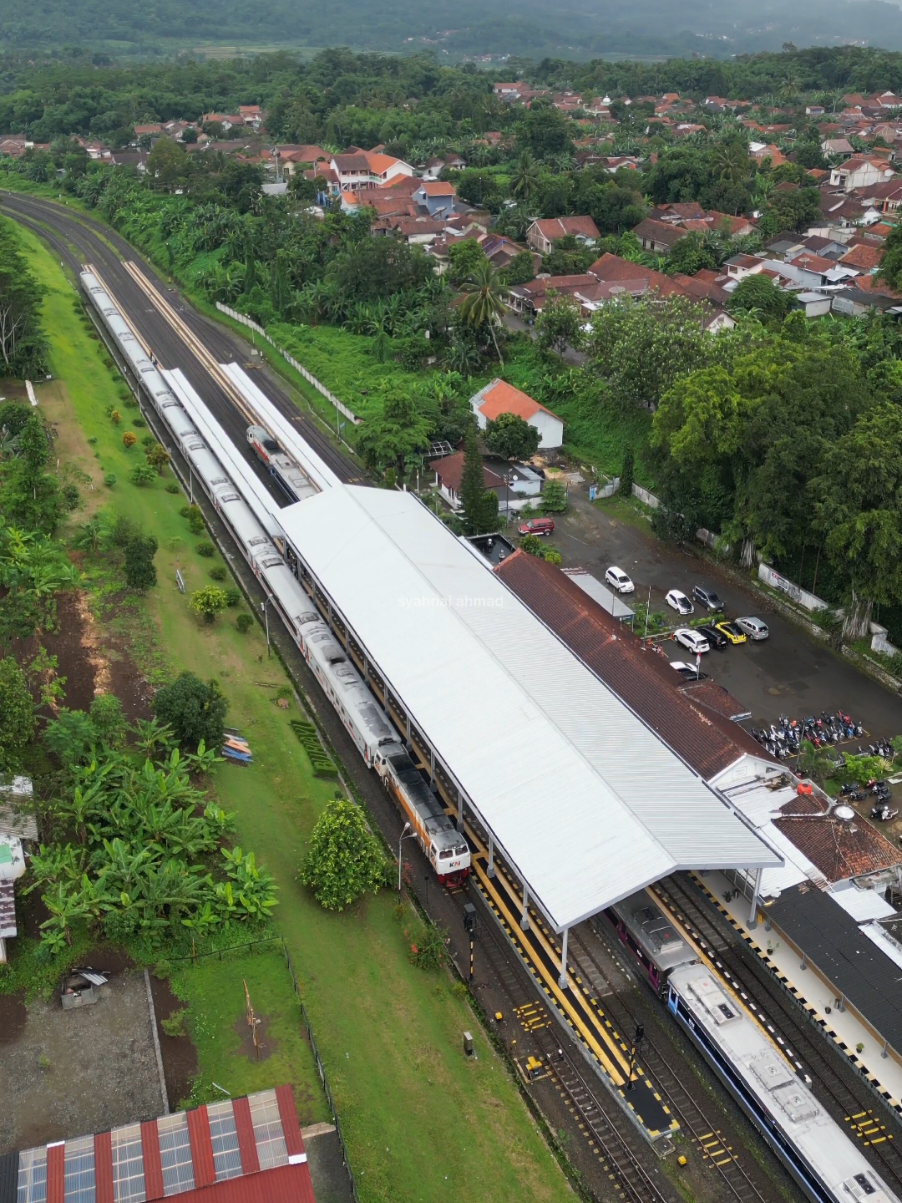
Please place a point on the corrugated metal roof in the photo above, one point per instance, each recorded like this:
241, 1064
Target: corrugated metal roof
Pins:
585, 800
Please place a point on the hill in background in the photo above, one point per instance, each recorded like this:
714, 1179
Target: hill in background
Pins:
718, 28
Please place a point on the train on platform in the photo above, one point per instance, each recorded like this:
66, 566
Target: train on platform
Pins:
827, 1165
293, 482
820, 1156
373, 735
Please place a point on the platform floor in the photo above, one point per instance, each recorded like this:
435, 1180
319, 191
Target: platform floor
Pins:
815, 993
540, 950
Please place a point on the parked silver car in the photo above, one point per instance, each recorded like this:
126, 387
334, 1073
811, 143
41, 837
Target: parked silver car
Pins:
753, 627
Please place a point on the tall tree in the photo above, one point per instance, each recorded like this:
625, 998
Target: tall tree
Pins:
194, 709
859, 512
483, 305
22, 343
479, 506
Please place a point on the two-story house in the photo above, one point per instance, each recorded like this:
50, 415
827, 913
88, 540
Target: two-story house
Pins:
367, 169
543, 233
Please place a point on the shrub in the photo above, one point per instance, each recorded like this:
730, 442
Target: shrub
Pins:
233, 597
173, 487
110, 479
194, 709
139, 422
70, 498
115, 417
185, 511
131, 403
205, 549
175, 1024
208, 602
92, 440
344, 859
143, 475
554, 497
157, 456
218, 573
148, 440
140, 571
129, 439
244, 622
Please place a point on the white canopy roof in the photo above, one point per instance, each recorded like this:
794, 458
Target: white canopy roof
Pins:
586, 802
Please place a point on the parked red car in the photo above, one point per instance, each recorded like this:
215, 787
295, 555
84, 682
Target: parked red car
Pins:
538, 526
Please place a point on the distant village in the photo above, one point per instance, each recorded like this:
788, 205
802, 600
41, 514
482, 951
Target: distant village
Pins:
830, 265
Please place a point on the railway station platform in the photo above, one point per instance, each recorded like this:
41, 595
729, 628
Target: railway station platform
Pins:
540, 950
811, 987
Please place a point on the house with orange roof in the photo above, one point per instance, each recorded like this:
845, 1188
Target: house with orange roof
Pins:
499, 398
437, 197
367, 169
544, 232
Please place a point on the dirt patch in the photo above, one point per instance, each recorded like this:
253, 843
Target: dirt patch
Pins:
267, 1044
92, 660
67, 1073
179, 1054
13, 1016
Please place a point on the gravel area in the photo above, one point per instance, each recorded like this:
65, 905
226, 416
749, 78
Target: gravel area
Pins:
70, 1073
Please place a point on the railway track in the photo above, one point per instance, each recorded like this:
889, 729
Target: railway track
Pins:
604, 1123
659, 1065
781, 1015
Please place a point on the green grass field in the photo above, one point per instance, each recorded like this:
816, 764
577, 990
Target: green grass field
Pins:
213, 992
419, 1119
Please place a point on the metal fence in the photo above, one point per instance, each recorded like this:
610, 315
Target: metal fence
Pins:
320, 1068
298, 367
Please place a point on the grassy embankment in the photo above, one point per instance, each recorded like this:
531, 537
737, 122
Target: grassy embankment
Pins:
418, 1118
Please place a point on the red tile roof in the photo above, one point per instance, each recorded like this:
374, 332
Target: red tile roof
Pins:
450, 470
553, 228
705, 739
839, 850
499, 397
863, 256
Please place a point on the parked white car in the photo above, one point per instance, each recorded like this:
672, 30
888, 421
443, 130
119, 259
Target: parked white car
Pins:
677, 600
619, 581
692, 640
753, 627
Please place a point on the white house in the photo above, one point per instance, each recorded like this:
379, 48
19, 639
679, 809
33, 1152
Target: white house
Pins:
860, 172
499, 397
367, 169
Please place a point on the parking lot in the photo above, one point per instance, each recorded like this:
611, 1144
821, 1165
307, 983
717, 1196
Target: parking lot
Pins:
790, 673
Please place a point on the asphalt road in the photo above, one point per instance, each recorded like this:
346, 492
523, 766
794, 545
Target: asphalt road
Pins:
78, 240
790, 673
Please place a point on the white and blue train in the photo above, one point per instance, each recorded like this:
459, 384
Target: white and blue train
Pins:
827, 1165
374, 736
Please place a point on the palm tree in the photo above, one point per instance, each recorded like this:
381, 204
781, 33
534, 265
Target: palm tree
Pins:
731, 161
525, 177
483, 303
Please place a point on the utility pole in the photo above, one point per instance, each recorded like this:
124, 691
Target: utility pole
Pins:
470, 927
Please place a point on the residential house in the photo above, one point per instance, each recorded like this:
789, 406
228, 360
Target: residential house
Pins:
438, 197
15, 145
449, 475
863, 258
860, 172
499, 397
130, 158
659, 237
435, 166
841, 147
741, 266
357, 169
813, 304
543, 233
766, 150
251, 114
529, 299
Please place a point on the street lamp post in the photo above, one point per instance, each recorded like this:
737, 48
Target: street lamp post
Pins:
263, 606
404, 837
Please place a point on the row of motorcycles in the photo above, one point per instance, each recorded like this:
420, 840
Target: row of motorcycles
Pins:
880, 790
785, 738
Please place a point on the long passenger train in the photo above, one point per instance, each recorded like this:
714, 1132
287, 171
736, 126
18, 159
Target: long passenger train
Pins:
827, 1165
374, 736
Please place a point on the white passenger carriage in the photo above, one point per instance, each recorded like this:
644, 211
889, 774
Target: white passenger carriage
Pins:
374, 736
817, 1152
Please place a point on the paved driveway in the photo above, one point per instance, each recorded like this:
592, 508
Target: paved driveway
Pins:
790, 673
